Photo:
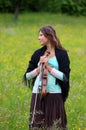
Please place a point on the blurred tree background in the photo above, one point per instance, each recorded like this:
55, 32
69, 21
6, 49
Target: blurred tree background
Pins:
71, 7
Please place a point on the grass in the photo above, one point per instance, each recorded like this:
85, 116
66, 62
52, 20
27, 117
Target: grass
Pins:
17, 43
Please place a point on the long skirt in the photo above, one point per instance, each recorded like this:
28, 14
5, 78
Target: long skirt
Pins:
47, 112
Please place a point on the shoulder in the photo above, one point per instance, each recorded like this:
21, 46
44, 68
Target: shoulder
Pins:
61, 53
62, 56
40, 51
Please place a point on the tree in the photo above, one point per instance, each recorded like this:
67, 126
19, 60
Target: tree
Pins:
17, 7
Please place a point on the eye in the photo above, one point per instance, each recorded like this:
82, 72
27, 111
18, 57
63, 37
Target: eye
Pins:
41, 34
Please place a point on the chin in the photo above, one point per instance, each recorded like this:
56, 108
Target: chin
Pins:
42, 44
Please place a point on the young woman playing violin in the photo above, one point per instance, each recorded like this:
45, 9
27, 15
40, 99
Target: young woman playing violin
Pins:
49, 66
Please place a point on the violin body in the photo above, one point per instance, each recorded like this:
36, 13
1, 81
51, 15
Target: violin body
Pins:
44, 80
44, 83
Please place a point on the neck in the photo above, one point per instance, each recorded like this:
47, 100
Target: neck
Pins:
50, 48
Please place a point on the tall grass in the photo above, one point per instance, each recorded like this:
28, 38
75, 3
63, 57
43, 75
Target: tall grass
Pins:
17, 43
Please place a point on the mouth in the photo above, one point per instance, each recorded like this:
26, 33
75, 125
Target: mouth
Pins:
41, 42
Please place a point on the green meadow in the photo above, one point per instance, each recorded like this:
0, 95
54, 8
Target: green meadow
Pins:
17, 43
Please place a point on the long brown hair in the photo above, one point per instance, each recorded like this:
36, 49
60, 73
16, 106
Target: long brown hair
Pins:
50, 33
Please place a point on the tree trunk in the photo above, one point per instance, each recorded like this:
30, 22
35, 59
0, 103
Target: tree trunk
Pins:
16, 13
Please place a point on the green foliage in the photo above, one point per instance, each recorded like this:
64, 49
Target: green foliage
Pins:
53, 6
5, 5
17, 43
77, 7
72, 7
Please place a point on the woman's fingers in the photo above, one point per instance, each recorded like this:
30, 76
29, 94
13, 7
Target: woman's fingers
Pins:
43, 59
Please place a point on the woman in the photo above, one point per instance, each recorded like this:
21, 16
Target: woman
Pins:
47, 104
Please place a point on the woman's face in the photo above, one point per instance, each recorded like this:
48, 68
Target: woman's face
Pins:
43, 40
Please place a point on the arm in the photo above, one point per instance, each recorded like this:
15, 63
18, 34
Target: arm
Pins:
31, 66
33, 73
56, 73
64, 66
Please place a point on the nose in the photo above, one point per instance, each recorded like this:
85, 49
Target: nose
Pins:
39, 38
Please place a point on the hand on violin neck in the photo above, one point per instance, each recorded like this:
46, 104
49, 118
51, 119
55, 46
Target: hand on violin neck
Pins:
43, 60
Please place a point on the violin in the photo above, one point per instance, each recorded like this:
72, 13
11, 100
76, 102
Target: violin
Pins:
44, 79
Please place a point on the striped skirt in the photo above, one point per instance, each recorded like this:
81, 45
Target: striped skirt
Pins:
47, 112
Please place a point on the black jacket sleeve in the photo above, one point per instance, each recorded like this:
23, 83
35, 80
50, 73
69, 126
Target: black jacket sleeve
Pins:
31, 66
64, 66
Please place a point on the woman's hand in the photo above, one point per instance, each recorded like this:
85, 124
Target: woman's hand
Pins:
44, 60
38, 69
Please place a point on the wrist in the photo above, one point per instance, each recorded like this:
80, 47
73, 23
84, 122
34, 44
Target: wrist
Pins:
48, 67
38, 70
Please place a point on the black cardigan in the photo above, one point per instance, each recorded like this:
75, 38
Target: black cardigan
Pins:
63, 60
